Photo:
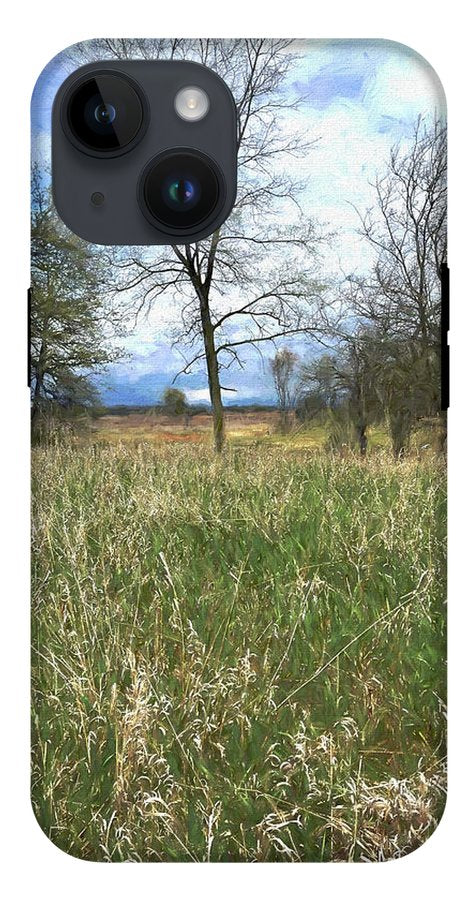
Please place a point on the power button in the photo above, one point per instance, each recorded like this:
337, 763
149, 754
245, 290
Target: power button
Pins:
445, 326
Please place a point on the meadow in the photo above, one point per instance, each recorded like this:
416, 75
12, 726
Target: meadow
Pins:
236, 658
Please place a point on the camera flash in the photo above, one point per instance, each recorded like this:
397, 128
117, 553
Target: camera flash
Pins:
192, 104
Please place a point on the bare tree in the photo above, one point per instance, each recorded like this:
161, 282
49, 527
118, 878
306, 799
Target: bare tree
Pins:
347, 383
386, 325
402, 296
320, 387
283, 368
407, 230
254, 279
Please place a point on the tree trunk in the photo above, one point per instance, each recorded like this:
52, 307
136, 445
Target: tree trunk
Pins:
361, 418
37, 391
400, 431
284, 420
362, 435
442, 441
212, 371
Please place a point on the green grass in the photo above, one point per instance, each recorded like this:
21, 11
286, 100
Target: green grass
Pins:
218, 673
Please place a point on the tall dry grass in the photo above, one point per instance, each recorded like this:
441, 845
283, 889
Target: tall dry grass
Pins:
237, 659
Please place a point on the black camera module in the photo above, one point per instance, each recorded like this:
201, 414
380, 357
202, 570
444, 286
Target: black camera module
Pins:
130, 166
180, 190
105, 114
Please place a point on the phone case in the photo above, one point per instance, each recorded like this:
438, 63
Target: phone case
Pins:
239, 479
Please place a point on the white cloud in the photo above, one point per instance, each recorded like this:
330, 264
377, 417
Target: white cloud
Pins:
198, 396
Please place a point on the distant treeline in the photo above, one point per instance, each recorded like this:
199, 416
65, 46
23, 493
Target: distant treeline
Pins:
192, 409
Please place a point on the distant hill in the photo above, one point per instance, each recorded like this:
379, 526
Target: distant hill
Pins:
122, 387
194, 409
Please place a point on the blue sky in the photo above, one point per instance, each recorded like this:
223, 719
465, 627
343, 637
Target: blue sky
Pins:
360, 98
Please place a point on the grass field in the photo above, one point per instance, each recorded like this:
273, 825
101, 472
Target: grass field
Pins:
237, 658
242, 429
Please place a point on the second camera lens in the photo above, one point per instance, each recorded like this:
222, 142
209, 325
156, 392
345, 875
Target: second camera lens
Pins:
180, 193
181, 189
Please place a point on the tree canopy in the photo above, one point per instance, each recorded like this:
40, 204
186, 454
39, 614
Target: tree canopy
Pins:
70, 326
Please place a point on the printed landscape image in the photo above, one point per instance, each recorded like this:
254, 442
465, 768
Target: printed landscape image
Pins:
239, 483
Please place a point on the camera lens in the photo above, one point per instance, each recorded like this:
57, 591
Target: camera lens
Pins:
105, 113
181, 189
181, 194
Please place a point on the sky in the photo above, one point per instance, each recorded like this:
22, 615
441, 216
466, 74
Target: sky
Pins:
360, 99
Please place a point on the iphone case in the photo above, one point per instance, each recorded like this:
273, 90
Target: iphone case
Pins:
239, 479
